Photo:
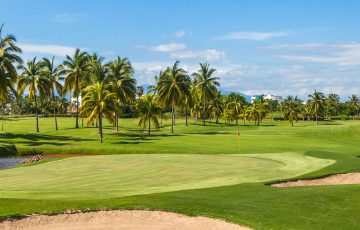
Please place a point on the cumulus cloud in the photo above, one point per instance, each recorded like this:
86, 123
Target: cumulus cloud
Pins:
338, 53
57, 50
209, 54
251, 35
171, 47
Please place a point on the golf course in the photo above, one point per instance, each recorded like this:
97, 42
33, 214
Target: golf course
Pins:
215, 170
181, 115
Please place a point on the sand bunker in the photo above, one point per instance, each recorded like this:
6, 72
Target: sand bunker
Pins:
122, 219
348, 178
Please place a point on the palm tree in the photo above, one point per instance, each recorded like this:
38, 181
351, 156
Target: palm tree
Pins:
316, 104
139, 91
149, 109
123, 82
77, 69
255, 111
99, 73
98, 102
354, 103
332, 104
152, 88
235, 104
32, 79
8, 74
172, 88
206, 84
54, 76
290, 108
195, 110
189, 103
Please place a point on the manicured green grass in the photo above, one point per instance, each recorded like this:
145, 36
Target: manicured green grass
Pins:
129, 174
209, 159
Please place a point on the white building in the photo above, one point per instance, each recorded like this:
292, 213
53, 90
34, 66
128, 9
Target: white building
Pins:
267, 97
74, 99
7, 108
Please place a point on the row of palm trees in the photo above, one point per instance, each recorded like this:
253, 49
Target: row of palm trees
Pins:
105, 87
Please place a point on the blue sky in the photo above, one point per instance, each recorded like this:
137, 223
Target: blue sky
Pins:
278, 47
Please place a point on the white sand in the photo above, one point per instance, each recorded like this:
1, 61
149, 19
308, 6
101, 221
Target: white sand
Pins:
348, 178
122, 219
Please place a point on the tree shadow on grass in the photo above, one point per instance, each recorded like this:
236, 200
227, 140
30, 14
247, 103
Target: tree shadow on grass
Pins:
41, 138
140, 136
210, 133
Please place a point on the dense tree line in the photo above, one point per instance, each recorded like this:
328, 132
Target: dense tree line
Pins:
108, 90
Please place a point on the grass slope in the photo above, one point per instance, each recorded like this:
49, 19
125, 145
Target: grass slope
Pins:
124, 175
253, 204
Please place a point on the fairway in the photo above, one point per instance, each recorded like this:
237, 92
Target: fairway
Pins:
98, 177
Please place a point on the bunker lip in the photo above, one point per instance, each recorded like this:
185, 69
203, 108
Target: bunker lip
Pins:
336, 179
68, 155
119, 219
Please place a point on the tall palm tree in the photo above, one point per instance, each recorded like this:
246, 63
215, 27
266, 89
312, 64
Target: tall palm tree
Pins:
236, 105
255, 111
123, 82
8, 75
332, 104
32, 79
290, 108
188, 104
98, 102
354, 103
149, 109
98, 71
316, 104
54, 75
77, 69
172, 88
206, 83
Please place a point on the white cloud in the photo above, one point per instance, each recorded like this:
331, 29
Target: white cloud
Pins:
250, 35
57, 50
338, 53
67, 17
209, 54
180, 33
171, 47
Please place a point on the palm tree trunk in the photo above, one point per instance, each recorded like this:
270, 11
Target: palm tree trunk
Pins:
37, 116
56, 124
186, 116
204, 111
317, 121
82, 121
77, 113
149, 126
117, 123
2, 116
217, 120
100, 128
172, 116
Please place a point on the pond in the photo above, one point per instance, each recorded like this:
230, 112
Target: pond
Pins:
9, 162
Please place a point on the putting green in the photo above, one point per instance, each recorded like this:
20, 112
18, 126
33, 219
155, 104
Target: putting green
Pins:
97, 177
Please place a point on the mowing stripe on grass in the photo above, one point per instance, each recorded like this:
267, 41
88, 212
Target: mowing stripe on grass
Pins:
109, 176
